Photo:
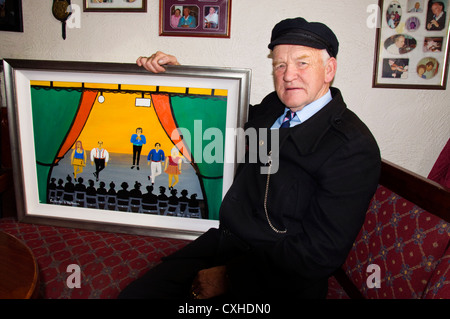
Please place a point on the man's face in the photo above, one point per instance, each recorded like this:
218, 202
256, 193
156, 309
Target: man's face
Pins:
400, 42
300, 74
436, 9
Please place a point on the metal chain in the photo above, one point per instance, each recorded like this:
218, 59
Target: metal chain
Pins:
265, 199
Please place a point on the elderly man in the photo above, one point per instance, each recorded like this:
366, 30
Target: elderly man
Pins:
436, 17
187, 20
398, 46
283, 234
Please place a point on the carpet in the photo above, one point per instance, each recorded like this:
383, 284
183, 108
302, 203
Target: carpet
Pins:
108, 262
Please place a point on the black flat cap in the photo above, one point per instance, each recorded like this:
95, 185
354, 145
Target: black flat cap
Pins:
298, 31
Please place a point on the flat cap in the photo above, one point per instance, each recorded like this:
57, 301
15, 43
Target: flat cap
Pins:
298, 31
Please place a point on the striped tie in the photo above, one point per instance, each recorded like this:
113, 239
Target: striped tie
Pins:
287, 120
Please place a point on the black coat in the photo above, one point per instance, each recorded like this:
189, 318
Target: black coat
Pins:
328, 171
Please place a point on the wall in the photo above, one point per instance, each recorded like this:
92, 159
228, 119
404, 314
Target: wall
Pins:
411, 126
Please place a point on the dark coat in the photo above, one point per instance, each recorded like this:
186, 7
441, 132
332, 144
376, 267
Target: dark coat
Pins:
328, 171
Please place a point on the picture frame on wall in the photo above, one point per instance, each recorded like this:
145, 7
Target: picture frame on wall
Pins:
411, 49
110, 146
11, 15
2, 87
196, 18
115, 5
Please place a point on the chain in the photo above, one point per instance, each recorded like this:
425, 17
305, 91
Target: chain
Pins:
269, 162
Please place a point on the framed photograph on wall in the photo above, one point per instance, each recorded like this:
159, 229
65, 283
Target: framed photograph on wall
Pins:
411, 48
115, 5
196, 18
11, 15
113, 147
2, 87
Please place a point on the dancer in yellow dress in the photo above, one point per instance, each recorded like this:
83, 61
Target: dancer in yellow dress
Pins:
78, 159
173, 167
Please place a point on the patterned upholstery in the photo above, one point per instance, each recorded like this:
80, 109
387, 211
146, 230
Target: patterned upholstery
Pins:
407, 242
439, 285
404, 240
108, 261
335, 291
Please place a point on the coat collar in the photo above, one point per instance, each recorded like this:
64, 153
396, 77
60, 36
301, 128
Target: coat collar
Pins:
307, 135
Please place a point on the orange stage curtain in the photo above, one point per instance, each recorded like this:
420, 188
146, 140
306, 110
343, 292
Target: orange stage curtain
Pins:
161, 103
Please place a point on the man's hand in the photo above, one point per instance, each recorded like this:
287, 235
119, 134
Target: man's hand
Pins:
210, 283
155, 62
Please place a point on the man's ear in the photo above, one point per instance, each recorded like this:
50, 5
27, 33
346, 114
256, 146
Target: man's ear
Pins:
330, 70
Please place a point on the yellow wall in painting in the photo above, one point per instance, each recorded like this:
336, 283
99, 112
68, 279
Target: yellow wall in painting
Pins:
116, 119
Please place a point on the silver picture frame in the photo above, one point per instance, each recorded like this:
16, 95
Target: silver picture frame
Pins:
39, 101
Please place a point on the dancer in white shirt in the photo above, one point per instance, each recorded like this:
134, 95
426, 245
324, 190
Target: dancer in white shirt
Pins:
100, 157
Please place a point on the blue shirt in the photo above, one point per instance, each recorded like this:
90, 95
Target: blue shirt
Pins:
155, 156
305, 113
190, 21
136, 142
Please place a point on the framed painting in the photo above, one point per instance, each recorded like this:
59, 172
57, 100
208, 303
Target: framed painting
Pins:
411, 50
11, 15
111, 146
195, 18
2, 87
115, 5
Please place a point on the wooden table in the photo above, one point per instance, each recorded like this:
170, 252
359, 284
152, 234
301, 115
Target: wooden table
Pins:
19, 277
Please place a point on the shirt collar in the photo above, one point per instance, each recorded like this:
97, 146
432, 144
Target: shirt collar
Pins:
437, 17
306, 112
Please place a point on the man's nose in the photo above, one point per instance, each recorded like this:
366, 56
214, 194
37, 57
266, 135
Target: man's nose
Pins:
290, 73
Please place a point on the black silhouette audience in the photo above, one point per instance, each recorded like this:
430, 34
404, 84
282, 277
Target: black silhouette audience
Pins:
122, 200
173, 202
149, 197
122, 197
69, 192
91, 194
135, 197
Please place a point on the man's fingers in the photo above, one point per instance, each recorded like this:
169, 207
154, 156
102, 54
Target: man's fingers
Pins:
152, 64
156, 62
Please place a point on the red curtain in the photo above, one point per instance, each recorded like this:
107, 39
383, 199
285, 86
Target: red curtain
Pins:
86, 103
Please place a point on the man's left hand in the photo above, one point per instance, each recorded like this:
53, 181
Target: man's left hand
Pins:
210, 283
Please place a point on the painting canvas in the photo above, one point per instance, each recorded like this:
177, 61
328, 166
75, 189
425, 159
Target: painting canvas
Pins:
136, 148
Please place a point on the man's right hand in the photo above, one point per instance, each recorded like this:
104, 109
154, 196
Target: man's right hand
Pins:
155, 63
